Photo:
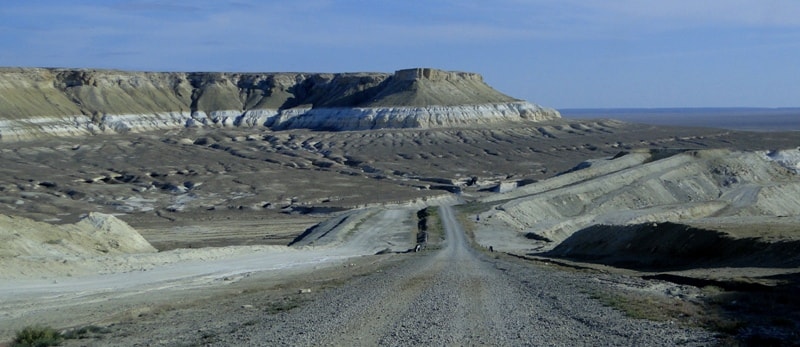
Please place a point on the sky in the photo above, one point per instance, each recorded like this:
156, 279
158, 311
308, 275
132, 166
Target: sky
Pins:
558, 53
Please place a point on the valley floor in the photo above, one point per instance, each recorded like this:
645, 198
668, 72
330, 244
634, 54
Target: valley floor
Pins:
454, 295
564, 205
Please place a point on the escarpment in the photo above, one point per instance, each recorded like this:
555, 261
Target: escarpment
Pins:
40, 102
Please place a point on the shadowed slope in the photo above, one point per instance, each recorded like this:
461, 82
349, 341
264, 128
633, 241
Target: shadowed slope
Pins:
671, 246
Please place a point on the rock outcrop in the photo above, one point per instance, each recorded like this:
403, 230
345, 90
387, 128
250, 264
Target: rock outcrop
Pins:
37, 102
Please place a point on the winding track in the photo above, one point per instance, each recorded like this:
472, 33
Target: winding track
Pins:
457, 296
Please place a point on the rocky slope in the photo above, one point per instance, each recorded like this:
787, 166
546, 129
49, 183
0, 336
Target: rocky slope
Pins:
36, 102
754, 191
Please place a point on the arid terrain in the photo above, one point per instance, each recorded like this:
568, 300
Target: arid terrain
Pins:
284, 209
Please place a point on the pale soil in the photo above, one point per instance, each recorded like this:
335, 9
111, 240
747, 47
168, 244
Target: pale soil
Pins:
605, 207
189, 179
253, 193
60, 299
451, 296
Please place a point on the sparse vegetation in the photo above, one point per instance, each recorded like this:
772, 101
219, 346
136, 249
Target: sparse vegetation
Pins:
475, 207
468, 224
465, 213
430, 230
37, 336
91, 331
422, 226
42, 336
650, 306
435, 227
743, 318
287, 304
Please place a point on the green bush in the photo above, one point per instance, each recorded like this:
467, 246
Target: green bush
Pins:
85, 332
37, 337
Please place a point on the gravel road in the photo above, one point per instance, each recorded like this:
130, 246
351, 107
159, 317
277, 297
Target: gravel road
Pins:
455, 296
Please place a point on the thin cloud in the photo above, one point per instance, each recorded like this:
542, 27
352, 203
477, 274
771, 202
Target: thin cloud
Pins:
768, 13
154, 6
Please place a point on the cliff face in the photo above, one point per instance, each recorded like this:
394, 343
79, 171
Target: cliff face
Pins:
45, 102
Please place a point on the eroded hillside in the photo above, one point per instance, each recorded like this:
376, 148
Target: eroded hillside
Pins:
167, 184
611, 210
36, 103
338, 164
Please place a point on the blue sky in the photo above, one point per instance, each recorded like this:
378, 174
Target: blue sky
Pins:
559, 53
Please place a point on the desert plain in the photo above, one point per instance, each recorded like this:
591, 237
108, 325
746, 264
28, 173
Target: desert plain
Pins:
420, 207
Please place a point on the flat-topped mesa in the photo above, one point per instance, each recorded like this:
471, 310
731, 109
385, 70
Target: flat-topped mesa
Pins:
435, 75
42, 102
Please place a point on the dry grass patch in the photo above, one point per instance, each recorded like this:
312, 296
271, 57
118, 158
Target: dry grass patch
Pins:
430, 228
42, 336
466, 216
37, 336
743, 318
286, 304
650, 306
475, 207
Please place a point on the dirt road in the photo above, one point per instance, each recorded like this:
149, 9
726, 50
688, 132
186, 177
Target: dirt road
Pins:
453, 296
155, 278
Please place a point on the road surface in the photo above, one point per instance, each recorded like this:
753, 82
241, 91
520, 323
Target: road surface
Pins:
454, 296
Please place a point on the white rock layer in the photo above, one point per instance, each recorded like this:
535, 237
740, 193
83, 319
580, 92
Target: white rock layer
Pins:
295, 118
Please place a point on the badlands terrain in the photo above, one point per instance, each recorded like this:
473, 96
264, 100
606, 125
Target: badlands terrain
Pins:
284, 208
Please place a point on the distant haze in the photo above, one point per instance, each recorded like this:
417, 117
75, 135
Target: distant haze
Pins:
755, 119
